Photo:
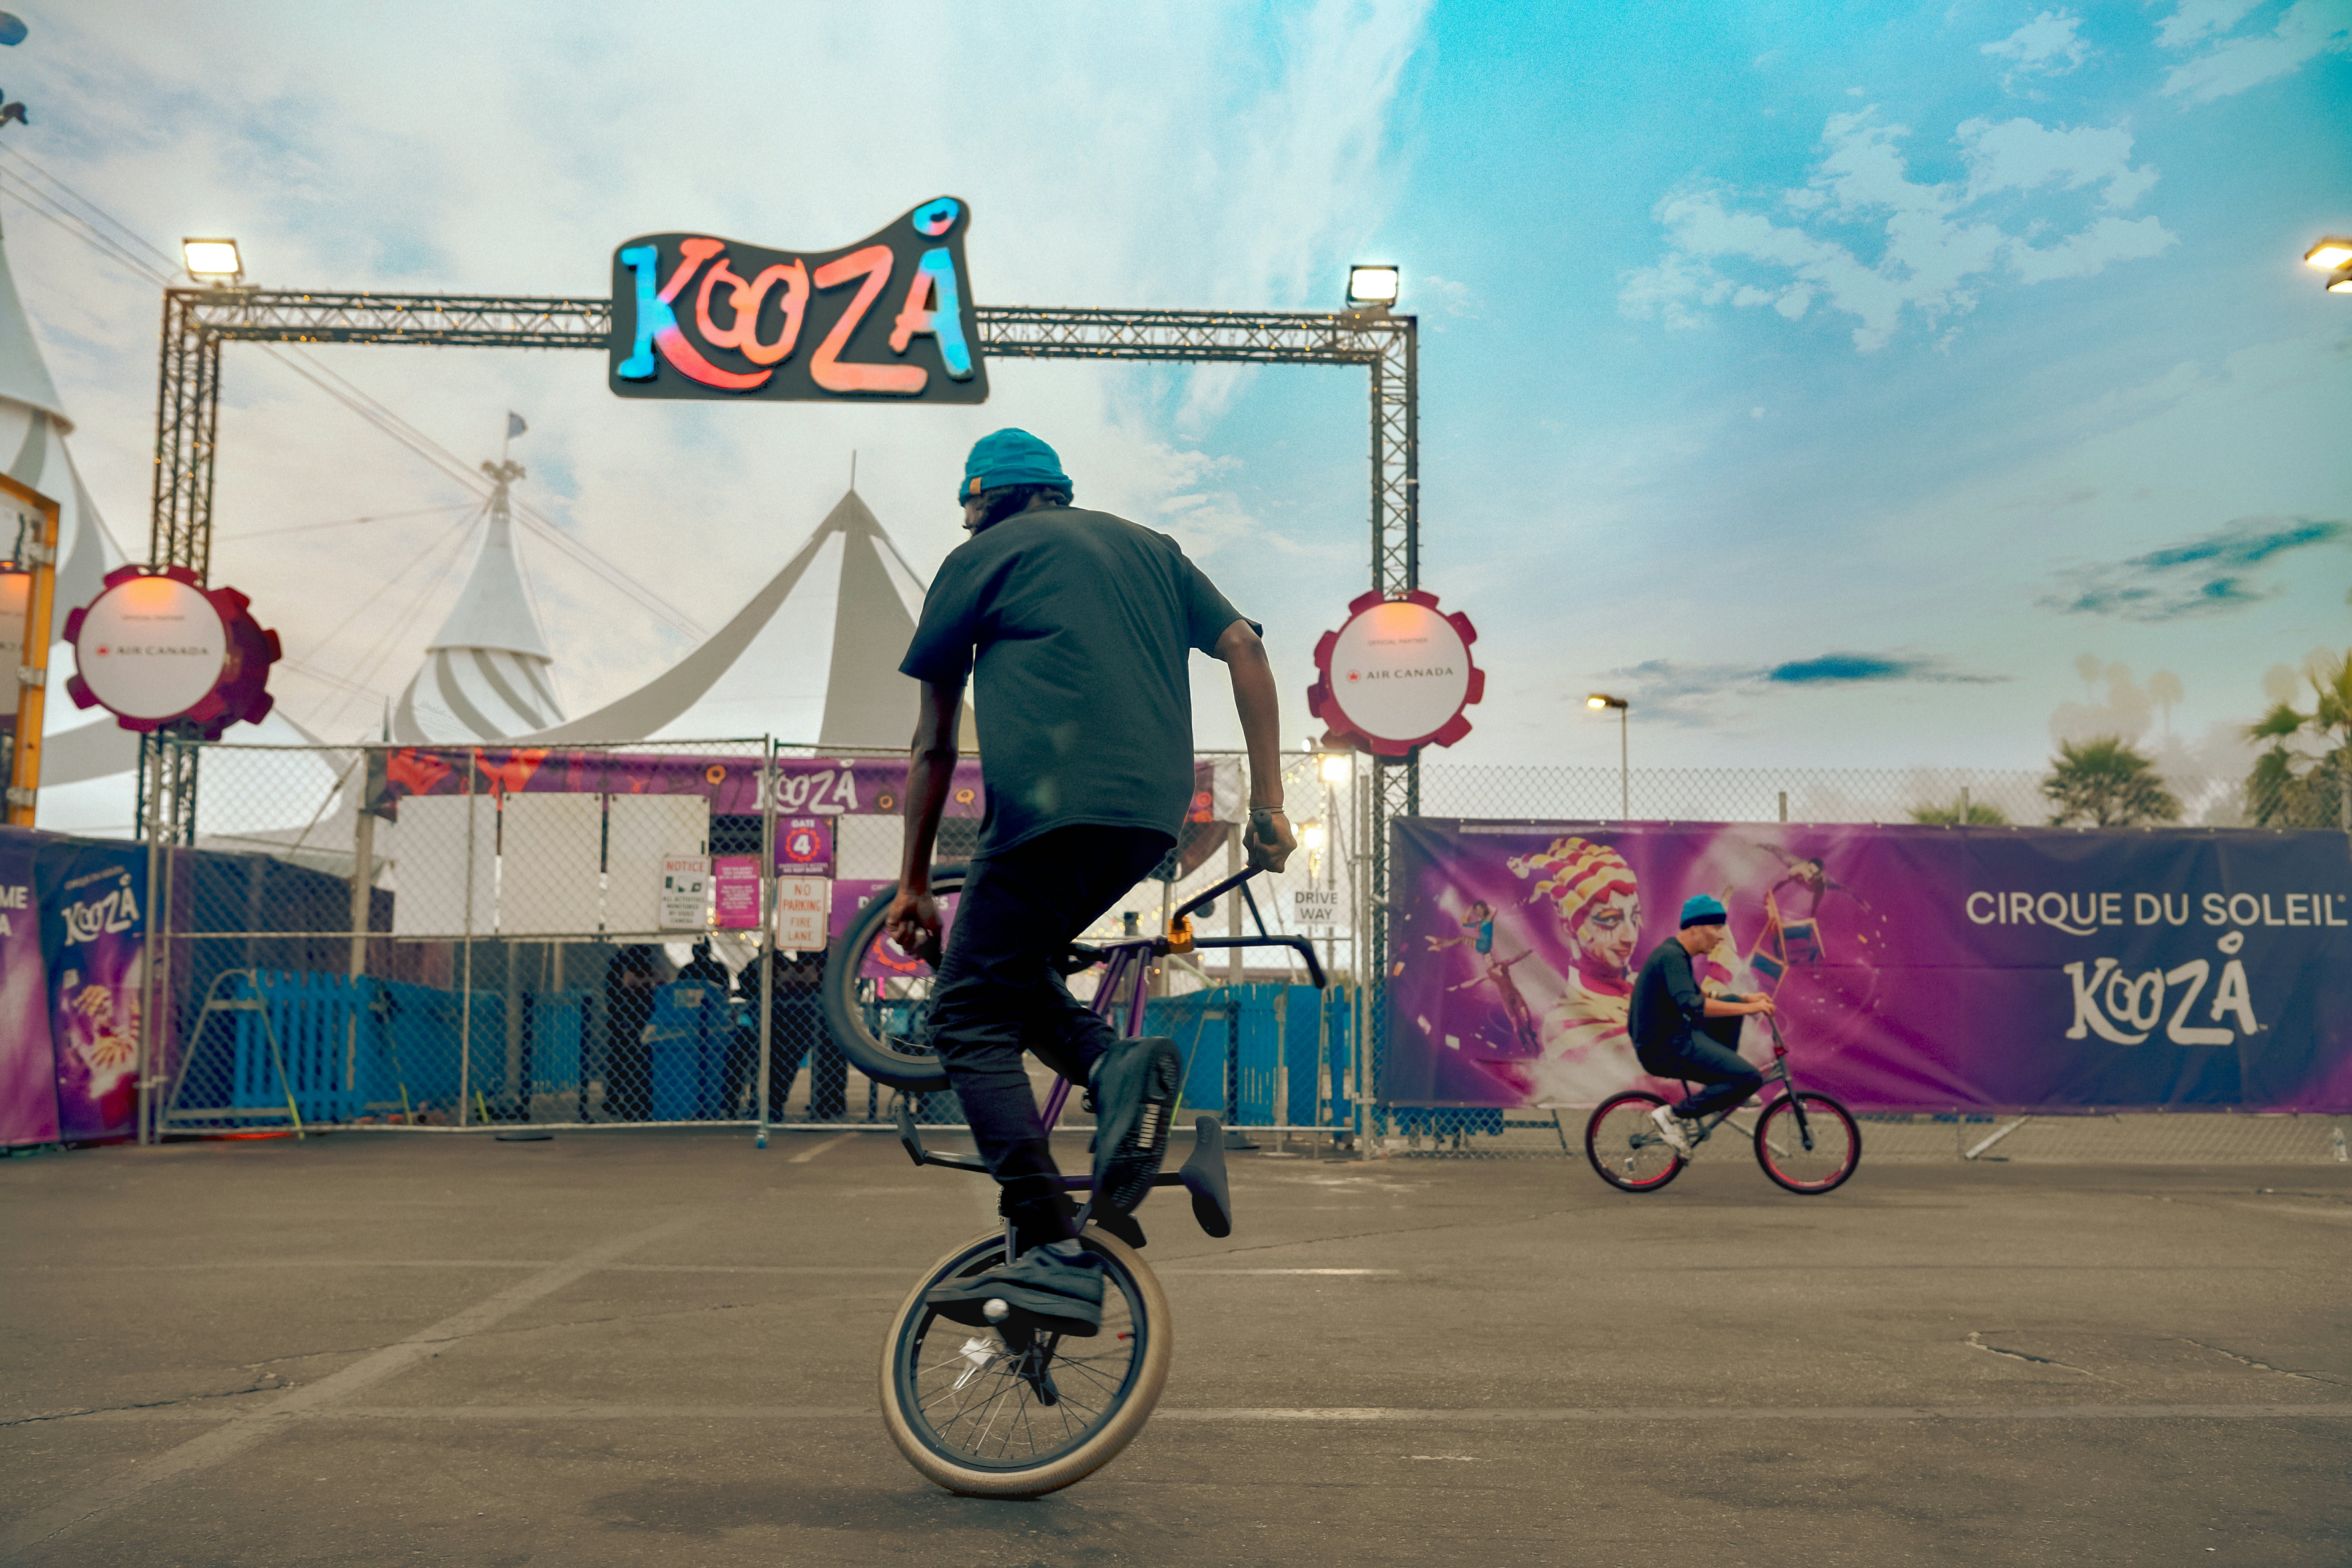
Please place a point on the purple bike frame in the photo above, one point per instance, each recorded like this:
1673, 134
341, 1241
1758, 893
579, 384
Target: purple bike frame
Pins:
1124, 985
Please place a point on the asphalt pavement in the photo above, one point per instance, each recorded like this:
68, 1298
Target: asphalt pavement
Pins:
655, 1348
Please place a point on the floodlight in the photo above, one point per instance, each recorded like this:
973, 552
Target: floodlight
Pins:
1373, 284
1602, 699
2340, 280
2330, 254
212, 260
1336, 767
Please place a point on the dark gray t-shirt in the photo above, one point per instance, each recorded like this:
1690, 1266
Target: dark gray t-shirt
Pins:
1076, 628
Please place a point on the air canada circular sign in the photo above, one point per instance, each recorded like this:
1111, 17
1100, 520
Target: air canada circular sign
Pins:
1396, 676
157, 649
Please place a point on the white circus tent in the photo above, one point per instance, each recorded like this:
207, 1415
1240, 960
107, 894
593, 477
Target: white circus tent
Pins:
488, 674
812, 659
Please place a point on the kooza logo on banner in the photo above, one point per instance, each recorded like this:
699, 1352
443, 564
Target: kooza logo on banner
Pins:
890, 317
1915, 968
2116, 1003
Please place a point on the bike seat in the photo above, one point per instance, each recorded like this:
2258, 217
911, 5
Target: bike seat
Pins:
1204, 1176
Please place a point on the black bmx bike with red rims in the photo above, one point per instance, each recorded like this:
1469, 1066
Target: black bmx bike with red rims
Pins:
1805, 1139
1012, 1410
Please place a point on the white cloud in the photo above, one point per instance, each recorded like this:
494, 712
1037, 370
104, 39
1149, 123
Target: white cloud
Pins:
1938, 246
2193, 19
2047, 45
343, 153
2305, 29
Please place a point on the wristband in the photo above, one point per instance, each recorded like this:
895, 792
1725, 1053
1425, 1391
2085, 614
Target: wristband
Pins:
1256, 811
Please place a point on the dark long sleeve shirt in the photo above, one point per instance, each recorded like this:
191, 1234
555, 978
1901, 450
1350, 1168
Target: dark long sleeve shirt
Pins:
1667, 1003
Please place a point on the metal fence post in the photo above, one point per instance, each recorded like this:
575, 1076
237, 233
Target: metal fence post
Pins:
466, 983
362, 872
766, 952
150, 1054
1784, 805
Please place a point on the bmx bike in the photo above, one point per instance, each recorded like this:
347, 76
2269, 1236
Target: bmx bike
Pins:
1010, 1410
1805, 1141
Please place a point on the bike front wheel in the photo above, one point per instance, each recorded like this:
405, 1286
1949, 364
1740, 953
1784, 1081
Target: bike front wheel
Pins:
1808, 1142
1625, 1146
878, 999
985, 1413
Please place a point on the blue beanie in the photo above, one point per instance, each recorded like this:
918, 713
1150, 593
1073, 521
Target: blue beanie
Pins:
1703, 910
1010, 458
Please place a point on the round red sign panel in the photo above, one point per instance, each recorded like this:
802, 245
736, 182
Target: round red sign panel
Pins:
1397, 674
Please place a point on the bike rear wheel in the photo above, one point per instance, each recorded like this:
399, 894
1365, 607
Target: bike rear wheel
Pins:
878, 999
1808, 1142
970, 1407
1626, 1148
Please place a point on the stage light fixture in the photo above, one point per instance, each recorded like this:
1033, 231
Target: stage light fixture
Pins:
212, 260
1373, 284
2330, 254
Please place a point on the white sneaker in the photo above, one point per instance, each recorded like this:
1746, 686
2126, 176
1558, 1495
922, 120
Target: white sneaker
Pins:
1670, 1127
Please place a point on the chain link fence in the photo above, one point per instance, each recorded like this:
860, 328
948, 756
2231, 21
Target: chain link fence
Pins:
449, 937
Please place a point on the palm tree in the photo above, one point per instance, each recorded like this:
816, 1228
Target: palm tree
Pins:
2103, 783
2288, 789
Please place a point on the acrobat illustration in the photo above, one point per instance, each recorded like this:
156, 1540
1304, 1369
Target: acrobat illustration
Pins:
1480, 923
1515, 1005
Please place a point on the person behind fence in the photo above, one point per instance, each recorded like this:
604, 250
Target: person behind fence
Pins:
1076, 628
632, 975
1681, 1033
796, 1029
704, 967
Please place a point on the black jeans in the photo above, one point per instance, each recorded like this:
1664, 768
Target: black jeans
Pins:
1706, 1057
998, 992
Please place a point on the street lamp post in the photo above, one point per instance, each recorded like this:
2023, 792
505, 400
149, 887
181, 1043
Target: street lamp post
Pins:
1624, 777
2333, 256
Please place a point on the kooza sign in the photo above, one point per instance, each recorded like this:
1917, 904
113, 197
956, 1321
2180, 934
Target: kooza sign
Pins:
890, 318
159, 649
1396, 676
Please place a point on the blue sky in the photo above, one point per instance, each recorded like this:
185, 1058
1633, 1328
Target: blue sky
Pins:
1870, 386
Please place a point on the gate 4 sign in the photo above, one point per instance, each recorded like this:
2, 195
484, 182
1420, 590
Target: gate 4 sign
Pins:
889, 318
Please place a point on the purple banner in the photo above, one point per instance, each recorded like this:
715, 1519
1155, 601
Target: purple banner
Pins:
1916, 968
29, 1068
94, 915
810, 786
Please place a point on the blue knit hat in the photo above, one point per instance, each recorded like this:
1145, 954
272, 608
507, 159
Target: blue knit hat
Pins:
1010, 458
1703, 910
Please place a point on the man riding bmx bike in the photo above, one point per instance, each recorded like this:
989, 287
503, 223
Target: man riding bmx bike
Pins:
1075, 628
1681, 1033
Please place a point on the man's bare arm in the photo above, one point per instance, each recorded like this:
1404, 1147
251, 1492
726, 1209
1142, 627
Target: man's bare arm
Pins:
1267, 838
914, 918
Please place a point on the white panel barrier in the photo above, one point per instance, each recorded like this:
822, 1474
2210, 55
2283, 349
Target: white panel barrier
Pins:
642, 829
433, 849
548, 872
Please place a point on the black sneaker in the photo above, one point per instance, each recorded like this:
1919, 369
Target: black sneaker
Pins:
1135, 1083
1057, 1288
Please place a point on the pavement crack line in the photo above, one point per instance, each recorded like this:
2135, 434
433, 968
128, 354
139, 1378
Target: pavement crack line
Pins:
264, 1387
244, 1429
1976, 1341
2259, 1365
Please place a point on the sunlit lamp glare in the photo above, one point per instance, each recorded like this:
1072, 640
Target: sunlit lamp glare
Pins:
1336, 767
210, 258
1310, 835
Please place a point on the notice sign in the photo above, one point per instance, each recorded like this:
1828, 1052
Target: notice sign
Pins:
735, 891
1315, 906
804, 912
684, 892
